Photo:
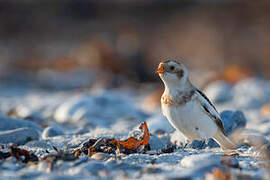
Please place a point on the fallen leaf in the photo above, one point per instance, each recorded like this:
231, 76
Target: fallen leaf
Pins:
133, 143
130, 145
221, 175
265, 110
234, 73
22, 155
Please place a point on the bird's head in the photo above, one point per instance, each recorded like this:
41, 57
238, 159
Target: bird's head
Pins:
173, 73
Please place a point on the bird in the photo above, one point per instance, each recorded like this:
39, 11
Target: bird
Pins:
188, 109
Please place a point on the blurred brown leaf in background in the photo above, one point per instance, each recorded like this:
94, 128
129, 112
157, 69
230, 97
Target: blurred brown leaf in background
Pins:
130, 38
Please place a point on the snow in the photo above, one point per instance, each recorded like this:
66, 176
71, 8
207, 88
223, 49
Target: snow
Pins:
66, 119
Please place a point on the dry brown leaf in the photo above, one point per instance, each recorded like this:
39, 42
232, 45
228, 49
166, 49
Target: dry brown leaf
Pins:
265, 110
221, 175
234, 73
63, 63
133, 143
111, 145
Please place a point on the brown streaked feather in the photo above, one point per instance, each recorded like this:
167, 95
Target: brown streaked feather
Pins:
180, 74
166, 99
179, 101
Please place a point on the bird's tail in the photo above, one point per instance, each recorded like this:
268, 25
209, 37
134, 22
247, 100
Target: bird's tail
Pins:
224, 141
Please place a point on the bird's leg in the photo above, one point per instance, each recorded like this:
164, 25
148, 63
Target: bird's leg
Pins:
207, 140
204, 138
186, 143
203, 143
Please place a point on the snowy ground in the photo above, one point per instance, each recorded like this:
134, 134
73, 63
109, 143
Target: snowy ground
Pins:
44, 119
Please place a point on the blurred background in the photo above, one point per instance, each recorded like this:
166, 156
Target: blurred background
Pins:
80, 69
67, 44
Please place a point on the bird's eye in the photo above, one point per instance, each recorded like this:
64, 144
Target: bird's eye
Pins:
171, 68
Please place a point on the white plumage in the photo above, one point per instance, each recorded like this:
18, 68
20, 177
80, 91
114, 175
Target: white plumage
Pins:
187, 108
190, 119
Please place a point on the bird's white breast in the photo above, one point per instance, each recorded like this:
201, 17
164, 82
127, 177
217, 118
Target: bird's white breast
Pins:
190, 119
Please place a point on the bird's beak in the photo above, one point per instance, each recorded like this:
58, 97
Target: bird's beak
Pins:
161, 68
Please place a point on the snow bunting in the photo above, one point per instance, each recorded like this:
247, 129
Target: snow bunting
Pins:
187, 108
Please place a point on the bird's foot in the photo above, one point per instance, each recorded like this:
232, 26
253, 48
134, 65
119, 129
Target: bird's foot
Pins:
202, 144
186, 144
